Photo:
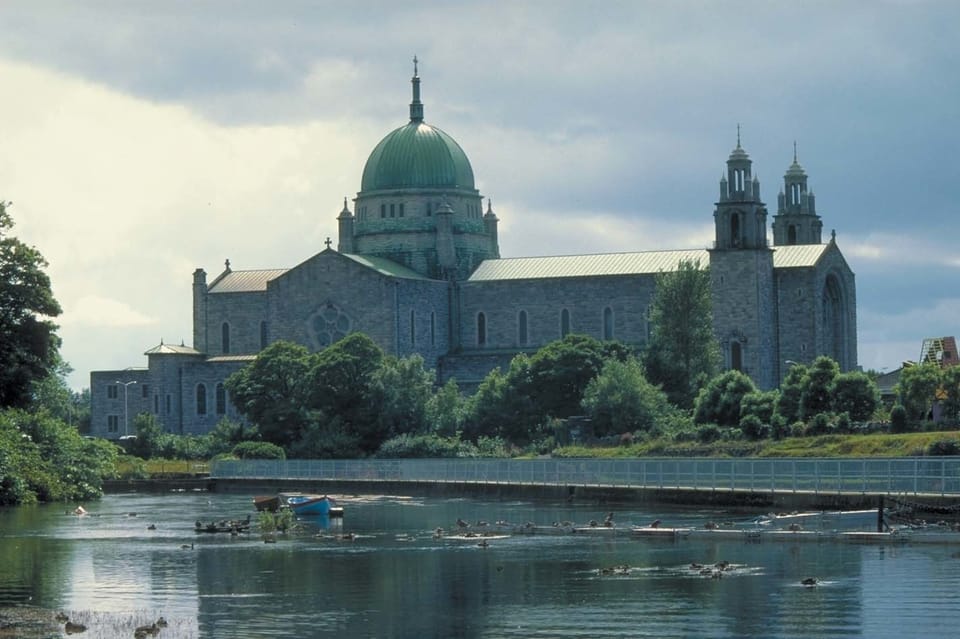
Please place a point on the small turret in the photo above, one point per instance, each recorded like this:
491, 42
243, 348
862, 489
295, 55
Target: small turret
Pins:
199, 309
490, 223
345, 223
446, 253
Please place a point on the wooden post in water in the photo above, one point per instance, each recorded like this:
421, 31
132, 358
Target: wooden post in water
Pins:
880, 515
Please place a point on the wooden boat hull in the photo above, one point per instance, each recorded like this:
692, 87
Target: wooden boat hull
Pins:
269, 503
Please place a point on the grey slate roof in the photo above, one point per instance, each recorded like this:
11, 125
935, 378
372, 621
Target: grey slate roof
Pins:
245, 281
801, 255
522, 268
170, 349
606, 264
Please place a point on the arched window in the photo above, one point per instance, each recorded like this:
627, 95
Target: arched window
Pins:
564, 322
201, 399
263, 335
735, 229
522, 328
736, 356
481, 329
221, 400
225, 338
433, 328
608, 323
791, 235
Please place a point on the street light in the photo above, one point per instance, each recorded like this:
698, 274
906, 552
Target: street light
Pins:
125, 420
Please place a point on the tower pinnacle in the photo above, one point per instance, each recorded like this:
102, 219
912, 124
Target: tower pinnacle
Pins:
416, 107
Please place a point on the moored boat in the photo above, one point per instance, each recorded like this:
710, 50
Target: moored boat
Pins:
269, 503
303, 504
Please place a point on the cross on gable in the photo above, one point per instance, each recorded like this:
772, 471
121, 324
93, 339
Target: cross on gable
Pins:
328, 242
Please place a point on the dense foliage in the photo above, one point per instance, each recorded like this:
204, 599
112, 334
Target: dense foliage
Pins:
683, 352
44, 459
28, 339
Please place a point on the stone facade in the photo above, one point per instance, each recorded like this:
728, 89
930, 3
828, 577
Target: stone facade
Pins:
419, 270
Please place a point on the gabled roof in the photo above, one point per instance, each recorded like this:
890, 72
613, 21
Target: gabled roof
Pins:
641, 263
245, 281
170, 349
385, 267
800, 255
524, 268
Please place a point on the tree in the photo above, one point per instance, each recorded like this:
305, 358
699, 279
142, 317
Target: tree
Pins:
272, 392
917, 389
28, 340
683, 350
400, 389
44, 459
445, 410
503, 405
340, 382
856, 394
815, 394
788, 403
621, 400
950, 385
561, 370
719, 402
759, 404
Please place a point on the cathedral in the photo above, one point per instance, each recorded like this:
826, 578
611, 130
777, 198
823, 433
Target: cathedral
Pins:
417, 267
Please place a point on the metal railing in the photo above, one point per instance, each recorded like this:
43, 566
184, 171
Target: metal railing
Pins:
914, 475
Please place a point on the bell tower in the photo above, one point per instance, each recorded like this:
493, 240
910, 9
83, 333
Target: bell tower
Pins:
796, 221
741, 274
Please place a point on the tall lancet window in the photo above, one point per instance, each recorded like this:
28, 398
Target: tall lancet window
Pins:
564, 322
481, 329
225, 338
522, 328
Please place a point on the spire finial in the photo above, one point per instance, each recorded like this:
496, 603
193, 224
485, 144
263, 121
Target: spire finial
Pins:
794, 151
738, 135
416, 107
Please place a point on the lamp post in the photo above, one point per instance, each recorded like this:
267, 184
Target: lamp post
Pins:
125, 419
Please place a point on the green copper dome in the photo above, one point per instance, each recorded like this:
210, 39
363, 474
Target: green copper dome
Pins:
417, 155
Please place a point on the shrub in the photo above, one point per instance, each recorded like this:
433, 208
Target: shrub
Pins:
417, 446
709, 433
752, 427
258, 450
844, 423
944, 447
819, 425
898, 419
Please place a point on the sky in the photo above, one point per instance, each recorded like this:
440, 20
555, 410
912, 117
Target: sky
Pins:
142, 140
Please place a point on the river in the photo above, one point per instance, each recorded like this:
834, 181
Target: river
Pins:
391, 577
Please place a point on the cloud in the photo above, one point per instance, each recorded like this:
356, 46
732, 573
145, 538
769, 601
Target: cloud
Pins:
92, 310
124, 198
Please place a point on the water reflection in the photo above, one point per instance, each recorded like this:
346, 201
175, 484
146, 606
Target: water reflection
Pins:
380, 572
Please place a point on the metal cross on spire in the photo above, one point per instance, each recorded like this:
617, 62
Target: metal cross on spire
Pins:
415, 65
738, 135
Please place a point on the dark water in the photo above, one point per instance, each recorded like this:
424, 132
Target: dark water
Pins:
396, 580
